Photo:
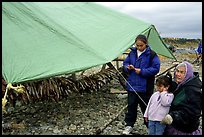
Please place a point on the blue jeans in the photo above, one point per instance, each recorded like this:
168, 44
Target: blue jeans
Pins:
155, 128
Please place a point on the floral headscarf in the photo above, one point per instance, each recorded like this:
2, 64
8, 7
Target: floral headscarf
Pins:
189, 71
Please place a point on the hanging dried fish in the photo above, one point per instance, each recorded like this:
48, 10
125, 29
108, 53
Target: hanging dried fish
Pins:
60, 87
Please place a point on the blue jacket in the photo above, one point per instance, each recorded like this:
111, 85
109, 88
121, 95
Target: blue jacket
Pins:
199, 50
138, 81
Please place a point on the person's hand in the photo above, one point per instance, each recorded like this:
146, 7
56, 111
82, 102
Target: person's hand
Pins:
131, 67
146, 119
137, 70
167, 120
165, 89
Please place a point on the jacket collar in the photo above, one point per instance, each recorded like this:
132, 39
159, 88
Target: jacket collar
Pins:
147, 51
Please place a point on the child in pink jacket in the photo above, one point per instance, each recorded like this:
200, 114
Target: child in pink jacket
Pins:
159, 105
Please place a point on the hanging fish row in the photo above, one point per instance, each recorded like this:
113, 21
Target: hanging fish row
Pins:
60, 87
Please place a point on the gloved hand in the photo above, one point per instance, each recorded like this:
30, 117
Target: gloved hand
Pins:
167, 120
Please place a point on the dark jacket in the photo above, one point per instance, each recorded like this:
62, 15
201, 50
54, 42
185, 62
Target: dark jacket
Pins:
199, 49
148, 68
187, 105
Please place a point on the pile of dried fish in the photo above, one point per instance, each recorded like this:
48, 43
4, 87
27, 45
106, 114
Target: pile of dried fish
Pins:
60, 87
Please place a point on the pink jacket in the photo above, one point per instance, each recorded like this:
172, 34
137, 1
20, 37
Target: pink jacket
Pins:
158, 105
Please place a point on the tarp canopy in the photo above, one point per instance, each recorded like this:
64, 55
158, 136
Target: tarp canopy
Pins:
42, 40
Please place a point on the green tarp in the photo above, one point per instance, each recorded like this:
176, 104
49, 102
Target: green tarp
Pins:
42, 40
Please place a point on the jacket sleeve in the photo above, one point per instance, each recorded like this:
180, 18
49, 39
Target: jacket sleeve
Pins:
166, 99
126, 63
153, 69
147, 108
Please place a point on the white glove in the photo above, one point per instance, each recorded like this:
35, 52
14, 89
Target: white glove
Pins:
167, 120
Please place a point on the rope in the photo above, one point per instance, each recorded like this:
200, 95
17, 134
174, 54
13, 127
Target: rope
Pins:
129, 84
19, 89
132, 87
99, 130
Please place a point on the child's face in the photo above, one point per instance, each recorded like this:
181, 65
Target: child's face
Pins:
160, 88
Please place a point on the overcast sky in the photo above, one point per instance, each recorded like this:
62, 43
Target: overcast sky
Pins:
171, 19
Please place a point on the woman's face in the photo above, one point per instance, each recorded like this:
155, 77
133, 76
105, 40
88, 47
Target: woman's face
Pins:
140, 45
180, 74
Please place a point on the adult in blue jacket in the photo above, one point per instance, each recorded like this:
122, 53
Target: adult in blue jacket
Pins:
199, 49
140, 67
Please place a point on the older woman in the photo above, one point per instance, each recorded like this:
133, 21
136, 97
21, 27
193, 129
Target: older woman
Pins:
185, 110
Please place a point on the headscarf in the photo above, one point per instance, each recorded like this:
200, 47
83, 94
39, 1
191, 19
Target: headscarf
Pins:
189, 71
